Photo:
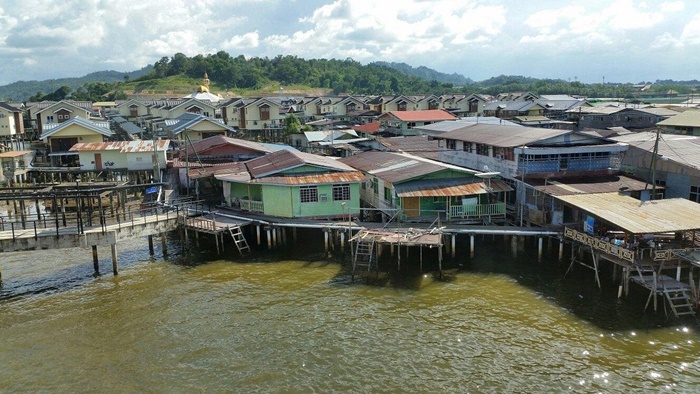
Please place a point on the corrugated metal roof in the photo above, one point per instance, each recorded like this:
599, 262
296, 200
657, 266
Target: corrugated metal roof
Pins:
391, 167
15, 153
432, 115
285, 159
502, 136
314, 179
596, 185
450, 188
684, 119
637, 217
682, 149
121, 146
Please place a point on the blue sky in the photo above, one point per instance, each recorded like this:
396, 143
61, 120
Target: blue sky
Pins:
592, 40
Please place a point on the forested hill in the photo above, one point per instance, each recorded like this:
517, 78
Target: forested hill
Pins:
428, 74
22, 90
256, 76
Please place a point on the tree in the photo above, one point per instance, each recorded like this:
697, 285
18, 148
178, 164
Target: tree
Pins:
292, 124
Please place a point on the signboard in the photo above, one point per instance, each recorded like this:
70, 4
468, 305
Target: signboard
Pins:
589, 225
152, 190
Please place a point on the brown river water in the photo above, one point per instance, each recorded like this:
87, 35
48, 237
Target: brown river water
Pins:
294, 322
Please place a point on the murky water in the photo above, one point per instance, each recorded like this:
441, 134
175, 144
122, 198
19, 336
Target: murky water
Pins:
197, 324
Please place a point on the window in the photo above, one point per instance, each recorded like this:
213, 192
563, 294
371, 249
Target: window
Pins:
375, 185
308, 193
467, 146
450, 144
694, 193
411, 125
387, 194
482, 149
341, 192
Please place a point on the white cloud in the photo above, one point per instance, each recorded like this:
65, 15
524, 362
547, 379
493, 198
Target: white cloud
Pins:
691, 32
475, 37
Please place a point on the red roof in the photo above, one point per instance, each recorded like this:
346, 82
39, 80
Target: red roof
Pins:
431, 115
370, 128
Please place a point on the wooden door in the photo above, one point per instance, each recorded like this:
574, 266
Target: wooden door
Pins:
98, 161
411, 206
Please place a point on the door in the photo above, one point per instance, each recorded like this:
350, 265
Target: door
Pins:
411, 206
98, 161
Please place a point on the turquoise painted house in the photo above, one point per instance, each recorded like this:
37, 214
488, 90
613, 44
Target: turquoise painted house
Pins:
422, 190
293, 184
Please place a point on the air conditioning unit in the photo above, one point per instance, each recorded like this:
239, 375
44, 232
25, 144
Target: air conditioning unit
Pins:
498, 157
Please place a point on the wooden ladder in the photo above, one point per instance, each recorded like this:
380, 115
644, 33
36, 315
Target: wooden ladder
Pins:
239, 239
364, 254
681, 302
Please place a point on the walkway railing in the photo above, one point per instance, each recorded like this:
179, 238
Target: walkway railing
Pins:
254, 206
476, 211
79, 222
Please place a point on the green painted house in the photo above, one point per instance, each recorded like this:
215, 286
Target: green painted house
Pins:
422, 189
293, 184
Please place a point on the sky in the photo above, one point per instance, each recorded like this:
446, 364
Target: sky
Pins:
590, 41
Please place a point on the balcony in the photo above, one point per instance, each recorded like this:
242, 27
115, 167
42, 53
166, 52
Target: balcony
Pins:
476, 211
252, 206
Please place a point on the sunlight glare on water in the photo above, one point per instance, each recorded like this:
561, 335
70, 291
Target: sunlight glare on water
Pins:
302, 326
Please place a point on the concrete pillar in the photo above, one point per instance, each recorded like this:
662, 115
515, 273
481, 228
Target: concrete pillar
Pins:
325, 240
115, 263
471, 245
150, 244
257, 232
539, 249
269, 240
452, 245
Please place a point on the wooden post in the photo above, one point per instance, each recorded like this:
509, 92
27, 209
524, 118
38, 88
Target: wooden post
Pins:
216, 238
561, 250
342, 240
269, 240
163, 242
440, 263
95, 261
539, 249
399, 252
257, 231
421, 259
325, 240
275, 244
452, 244
115, 270
150, 245
514, 245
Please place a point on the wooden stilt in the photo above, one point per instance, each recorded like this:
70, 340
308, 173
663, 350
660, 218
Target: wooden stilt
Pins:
453, 244
216, 238
269, 239
257, 232
561, 250
539, 249
115, 264
150, 244
164, 243
95, 260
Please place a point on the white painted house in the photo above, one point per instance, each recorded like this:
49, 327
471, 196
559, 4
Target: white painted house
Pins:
121, 155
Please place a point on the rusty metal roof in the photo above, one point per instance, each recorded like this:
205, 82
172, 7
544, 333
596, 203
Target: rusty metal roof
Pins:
639, 217
450, 188
15, 153
284, 160
392, 167
314, 179
121, 146
502, 136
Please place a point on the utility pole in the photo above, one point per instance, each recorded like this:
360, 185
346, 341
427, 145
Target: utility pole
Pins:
653, 164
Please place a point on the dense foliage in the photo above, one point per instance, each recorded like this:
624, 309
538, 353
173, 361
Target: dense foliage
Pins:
347, 76
23, 90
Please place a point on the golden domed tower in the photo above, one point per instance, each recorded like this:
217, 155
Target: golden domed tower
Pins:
204, 87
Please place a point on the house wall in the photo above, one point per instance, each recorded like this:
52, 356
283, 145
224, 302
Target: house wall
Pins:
114, 159
678, 177
8, 124
48, 113
280, 201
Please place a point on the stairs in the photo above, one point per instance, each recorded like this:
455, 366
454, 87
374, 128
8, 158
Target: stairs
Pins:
364, 254
239, 240
681, 303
